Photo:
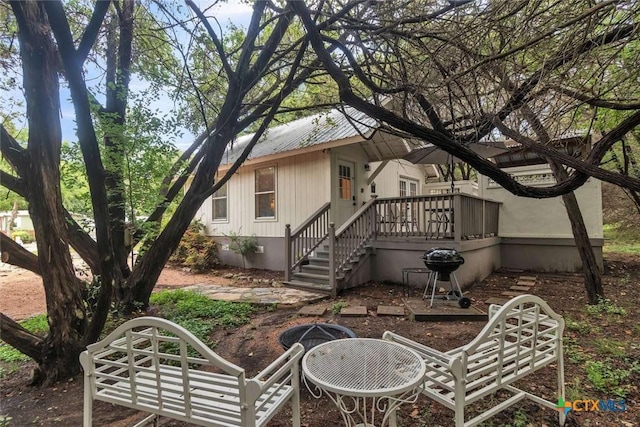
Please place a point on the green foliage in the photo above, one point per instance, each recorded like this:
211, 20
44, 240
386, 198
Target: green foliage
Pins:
195, 250
198, 314
605, 306
621, 239
242, 245
36, 324
573, 351
336, 307
575, 390
24, 235
610, 347
608, 379
580, 326
9, 354
179, 305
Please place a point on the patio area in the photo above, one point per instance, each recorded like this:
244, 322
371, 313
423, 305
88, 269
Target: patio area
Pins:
251, 345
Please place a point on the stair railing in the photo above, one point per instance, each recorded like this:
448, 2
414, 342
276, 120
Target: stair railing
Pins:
351, 238
302, 241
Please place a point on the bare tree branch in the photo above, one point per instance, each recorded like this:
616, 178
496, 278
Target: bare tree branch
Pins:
15, 254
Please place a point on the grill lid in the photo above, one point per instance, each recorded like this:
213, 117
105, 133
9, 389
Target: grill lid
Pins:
443, 256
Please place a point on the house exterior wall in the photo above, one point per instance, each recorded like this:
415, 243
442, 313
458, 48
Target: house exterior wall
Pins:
302, 186
546, 218
271, 256
482, 257
536, 233
387, 181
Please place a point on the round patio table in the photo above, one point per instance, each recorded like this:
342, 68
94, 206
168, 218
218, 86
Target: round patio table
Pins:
366, 378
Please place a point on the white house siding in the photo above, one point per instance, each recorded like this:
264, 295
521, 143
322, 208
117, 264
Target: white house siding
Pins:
387, 181
536, 233
527, 217
302, 186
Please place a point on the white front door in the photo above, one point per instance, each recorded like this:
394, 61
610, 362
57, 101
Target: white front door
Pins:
345, 186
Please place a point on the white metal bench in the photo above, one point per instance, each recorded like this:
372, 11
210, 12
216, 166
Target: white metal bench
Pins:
520, 337
156, 366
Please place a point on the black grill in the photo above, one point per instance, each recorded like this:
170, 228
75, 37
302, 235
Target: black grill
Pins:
442, 260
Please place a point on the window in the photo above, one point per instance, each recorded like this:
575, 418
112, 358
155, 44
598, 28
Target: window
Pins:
411, 185
403, 188
219, 204
344, 182
266, 192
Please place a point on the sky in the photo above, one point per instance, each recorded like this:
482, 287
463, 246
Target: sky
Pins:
235, 11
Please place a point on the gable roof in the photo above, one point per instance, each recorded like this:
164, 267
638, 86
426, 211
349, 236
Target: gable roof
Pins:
310, 131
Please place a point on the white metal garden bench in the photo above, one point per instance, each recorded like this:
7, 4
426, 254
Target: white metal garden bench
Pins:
156, 366
520, 337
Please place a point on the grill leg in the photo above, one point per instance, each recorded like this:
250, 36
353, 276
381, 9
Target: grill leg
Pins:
433, 291
457, 283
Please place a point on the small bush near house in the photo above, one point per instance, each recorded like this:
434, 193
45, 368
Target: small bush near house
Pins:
242, 245
196, 251
24, 236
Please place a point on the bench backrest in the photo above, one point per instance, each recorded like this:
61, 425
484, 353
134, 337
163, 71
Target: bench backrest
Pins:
158, 353
521, 336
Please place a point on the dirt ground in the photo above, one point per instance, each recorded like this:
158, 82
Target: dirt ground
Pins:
252, 346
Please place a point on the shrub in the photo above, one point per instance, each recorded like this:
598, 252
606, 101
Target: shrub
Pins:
242, 245
24, 235
196, 251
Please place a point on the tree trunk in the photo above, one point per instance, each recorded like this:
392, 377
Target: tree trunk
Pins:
117, 89
63, 292
149, 266
590, 270
145, 275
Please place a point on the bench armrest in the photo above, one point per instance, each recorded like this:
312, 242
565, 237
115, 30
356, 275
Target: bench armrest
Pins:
283, 370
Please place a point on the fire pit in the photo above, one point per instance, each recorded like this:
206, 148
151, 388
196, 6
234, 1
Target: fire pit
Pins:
310, 335
443, 262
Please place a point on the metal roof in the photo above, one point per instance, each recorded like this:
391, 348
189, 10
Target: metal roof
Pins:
317, 129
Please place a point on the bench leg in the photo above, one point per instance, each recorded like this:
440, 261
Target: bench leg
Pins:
295, 399
295, 410
87, 414
561, 415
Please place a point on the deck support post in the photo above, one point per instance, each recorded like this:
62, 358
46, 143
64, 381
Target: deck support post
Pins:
332, 260
287, 252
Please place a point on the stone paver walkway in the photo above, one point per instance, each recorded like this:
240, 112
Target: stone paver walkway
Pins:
278, 296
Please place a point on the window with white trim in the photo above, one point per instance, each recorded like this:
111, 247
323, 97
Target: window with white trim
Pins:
265, 188
408, 187
219, 204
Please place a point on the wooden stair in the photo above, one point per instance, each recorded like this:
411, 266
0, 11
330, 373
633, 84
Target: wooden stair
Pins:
314, 275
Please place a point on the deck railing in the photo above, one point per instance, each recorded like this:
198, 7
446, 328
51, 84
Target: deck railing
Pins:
302, 241
452, 217
444, 216
352, 237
